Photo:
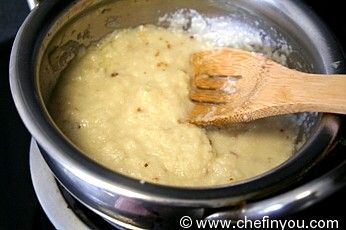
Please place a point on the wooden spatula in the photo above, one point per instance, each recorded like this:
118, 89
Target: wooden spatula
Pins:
232, 85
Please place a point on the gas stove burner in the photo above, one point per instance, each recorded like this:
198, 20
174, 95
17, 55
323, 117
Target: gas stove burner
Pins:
88, 217
65, 211
49, 195
62, 209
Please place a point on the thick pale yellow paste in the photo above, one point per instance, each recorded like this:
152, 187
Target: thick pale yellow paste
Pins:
122, 102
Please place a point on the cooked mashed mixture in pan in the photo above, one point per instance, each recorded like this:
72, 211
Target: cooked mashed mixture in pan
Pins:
123, 103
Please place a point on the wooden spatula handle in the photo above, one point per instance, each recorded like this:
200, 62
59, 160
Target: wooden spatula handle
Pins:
322, 93
302, 92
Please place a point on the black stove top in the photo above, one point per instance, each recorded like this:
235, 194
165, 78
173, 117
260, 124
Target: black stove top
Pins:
18, 204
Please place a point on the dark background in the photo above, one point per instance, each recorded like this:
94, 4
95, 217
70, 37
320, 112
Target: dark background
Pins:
18, 204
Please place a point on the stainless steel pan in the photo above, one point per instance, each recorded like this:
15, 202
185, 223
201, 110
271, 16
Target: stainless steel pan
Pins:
51, 36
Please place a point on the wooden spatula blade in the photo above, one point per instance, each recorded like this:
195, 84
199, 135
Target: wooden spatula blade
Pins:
210, 96
221, 83
263, 88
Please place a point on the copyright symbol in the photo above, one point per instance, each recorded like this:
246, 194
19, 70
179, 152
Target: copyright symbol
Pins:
185, 222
